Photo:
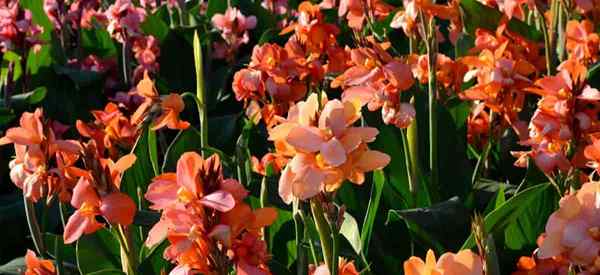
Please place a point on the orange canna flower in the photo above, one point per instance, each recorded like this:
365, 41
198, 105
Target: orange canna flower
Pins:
324, 147
582, 41
116, 208
354, 10
551, 266
463, 262
571, 231
36, 266
170, 107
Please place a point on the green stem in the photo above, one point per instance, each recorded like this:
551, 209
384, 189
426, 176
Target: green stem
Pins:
335, 251
128, 260
412, 187
58, 249
324, 232
299, 226
433, 137
34, 227
560, 27
201, 92
547, 42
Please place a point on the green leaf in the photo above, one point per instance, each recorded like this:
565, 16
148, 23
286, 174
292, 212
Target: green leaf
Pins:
98, 41
501, 217
146, 218
441, 224
155, 26
351, 232
14, 267
185, 141
477, 15
136, 179
215, 6
98, 251
81, 78
153, 151
369, 221
154, 263
68, 251
25, 100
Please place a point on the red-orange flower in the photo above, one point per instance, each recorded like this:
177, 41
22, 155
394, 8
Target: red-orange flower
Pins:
36, 266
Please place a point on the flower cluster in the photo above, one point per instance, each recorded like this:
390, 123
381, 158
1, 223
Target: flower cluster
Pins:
233, 27
324, 146
205, 220
43, 164
17, 31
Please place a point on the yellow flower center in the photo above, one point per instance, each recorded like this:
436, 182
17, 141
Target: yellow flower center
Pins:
184, 196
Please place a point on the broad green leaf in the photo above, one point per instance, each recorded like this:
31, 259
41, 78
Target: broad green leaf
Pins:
98, 41
501, 217
107, 272
14, 267
68, 251
153, 151
146, 218
215, 6
98, 251
477, 15
369, 221
351, 232
136, 179
185, 141
155, 26
154, 263
444, 224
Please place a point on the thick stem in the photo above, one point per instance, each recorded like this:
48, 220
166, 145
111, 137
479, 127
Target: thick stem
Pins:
34, 227
299, 226
324, 232
335, 250
125, 60
264, 200
201, 92
547, 41
412, 186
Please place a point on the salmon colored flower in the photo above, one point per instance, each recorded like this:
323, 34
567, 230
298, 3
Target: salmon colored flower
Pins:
324, 147
463, 262
234, 27
37, 144
571, 231
116, 208
170, 107
36, 266
311, 29
345, 268
205, 220
354, 10
582, 41
272, 161
146, 51
124, 20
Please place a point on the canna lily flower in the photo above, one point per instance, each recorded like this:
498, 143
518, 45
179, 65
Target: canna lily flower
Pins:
582, 41
116, 208
354, 10
234, 27
326, 149
463, 262
36, 144
311, 29
124, 20
146, 51
572, 230
170, 107
345, 268
36, 266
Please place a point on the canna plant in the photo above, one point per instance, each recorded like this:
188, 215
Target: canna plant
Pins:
318, 137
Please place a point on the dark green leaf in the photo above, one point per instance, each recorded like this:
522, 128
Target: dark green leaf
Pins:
501, 217
98, 251
136, 179
367, 228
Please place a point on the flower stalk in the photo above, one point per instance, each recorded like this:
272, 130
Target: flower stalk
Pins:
201, 92
34, 226
324, 233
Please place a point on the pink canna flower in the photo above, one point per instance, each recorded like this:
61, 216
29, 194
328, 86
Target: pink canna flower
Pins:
116, 208
324, 147
573, 230
124, 20
464, 262
233, 26
146, 51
